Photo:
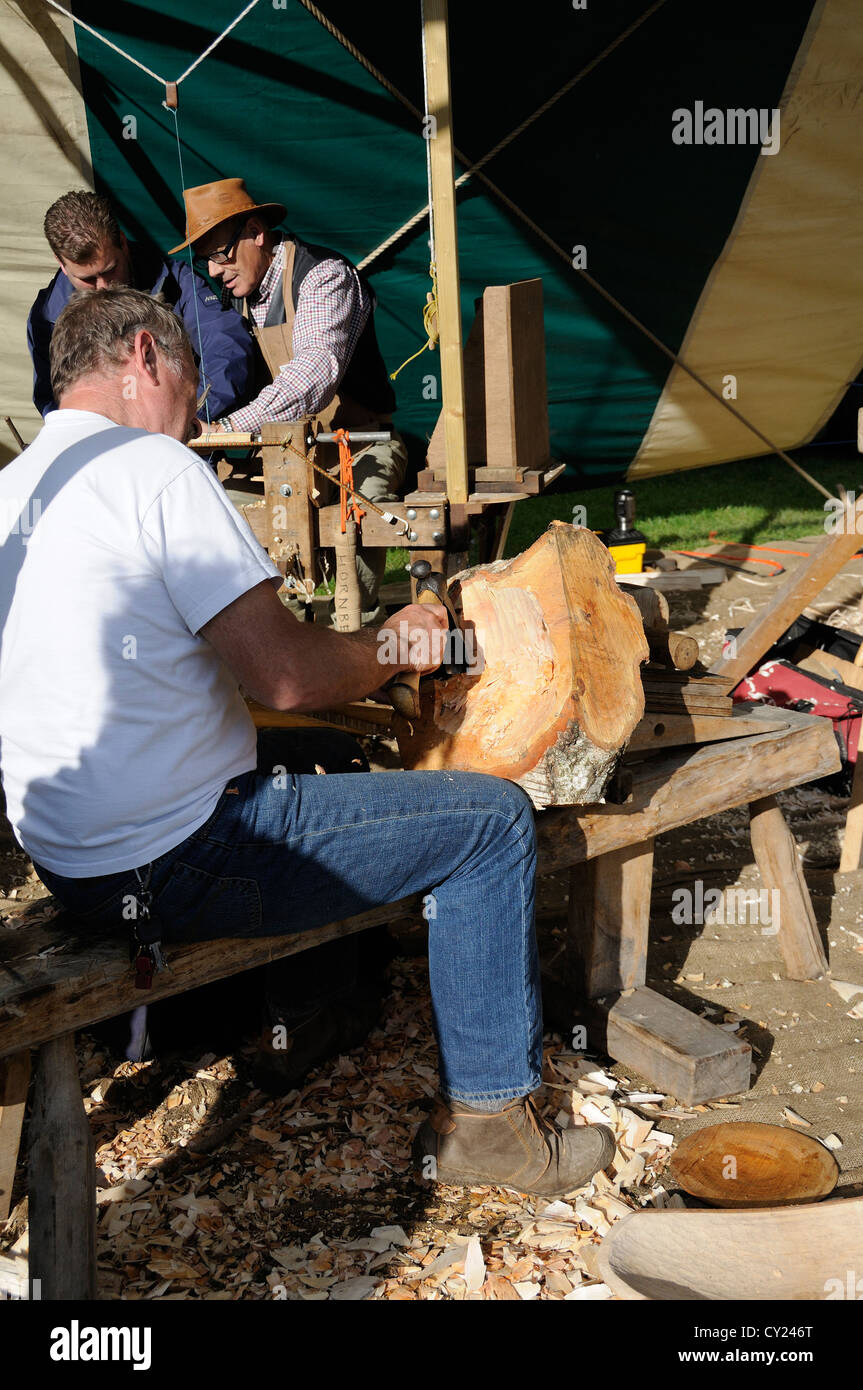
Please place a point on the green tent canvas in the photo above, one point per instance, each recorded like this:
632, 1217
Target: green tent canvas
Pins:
730, 232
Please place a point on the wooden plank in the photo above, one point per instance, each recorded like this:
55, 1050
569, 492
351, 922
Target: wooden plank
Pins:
694, 578
446, 247
676, 730
778, 861
687, 785
61, 1179
852, 840
14, 1080
290, 516
608, 920
516, 395
801, 587
674, 1049
85, 979
376, 531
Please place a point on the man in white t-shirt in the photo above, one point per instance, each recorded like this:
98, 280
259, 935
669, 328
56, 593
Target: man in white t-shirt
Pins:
134, 601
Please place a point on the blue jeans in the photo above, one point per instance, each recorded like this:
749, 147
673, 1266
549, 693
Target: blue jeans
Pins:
287, 852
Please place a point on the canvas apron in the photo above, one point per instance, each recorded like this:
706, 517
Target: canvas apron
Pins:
276, 341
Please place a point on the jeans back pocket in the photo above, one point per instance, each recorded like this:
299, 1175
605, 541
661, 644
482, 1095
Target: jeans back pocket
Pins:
195, 905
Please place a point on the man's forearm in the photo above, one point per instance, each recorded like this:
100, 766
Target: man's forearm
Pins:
323, 667
291, 665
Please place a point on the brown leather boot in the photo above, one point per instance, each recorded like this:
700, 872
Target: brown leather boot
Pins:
511, 1148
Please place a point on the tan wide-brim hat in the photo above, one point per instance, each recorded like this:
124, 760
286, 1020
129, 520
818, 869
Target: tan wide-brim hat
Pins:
212, 203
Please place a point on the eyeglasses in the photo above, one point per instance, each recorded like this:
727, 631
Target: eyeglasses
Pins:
222, 256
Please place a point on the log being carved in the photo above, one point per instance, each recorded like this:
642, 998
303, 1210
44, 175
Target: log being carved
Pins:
559, 692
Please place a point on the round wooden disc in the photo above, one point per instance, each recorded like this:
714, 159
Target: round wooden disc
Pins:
744, 1164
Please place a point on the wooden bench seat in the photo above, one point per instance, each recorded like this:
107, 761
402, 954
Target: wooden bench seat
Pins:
54, 981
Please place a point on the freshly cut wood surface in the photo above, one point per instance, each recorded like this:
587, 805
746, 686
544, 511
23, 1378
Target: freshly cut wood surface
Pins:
559, 692
744, 1164
788, 1253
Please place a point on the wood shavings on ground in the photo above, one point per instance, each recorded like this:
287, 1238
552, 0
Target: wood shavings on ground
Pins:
210, 1189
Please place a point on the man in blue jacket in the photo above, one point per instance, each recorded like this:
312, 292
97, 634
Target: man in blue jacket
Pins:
82, 230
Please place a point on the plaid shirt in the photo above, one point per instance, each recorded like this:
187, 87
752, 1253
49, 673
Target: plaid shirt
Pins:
332, 310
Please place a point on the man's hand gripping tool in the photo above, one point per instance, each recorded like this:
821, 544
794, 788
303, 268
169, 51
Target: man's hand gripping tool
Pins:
431, 587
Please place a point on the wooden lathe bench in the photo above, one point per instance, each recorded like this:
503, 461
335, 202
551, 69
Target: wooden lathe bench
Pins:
53, 981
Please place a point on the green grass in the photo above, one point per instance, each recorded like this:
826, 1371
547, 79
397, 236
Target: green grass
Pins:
753, 500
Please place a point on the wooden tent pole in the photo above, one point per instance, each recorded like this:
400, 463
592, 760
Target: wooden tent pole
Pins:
446, 247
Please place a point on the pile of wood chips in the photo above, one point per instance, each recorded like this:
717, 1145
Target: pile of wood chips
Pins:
219, 1191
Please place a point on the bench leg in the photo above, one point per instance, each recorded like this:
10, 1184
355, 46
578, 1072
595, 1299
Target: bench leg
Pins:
609, 915
775, 851
62, 1180
14, 1079
852, 840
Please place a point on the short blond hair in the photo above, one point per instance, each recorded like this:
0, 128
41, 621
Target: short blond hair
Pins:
96, 333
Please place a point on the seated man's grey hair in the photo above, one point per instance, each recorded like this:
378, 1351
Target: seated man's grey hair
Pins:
95, 333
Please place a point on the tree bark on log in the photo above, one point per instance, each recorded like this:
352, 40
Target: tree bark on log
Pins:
559, 690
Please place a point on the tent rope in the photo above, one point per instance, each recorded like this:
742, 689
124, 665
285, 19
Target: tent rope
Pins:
171, 109
163, 82
474, 169
216, 41
96, 35
477, 169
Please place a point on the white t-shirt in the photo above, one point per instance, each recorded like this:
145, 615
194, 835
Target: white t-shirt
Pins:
119, 727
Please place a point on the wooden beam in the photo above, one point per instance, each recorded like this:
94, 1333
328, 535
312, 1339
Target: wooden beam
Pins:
852, 840
778, 861
14, 1079
90, 979
678, 730
678, 788
693, 578
288, 480
376, 531
609, 915
676, 1050
516, 394
62, 1179
446, 247
801, 587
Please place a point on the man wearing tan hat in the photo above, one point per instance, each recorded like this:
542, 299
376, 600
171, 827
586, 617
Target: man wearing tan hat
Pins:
313, 316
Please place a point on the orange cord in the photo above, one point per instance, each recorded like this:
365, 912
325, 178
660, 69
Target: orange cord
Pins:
350, 507
721, 560
771, 549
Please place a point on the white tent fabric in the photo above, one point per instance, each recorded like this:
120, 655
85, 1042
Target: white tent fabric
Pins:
782, 311
45, 151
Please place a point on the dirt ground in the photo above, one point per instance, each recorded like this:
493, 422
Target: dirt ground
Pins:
211, 1189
